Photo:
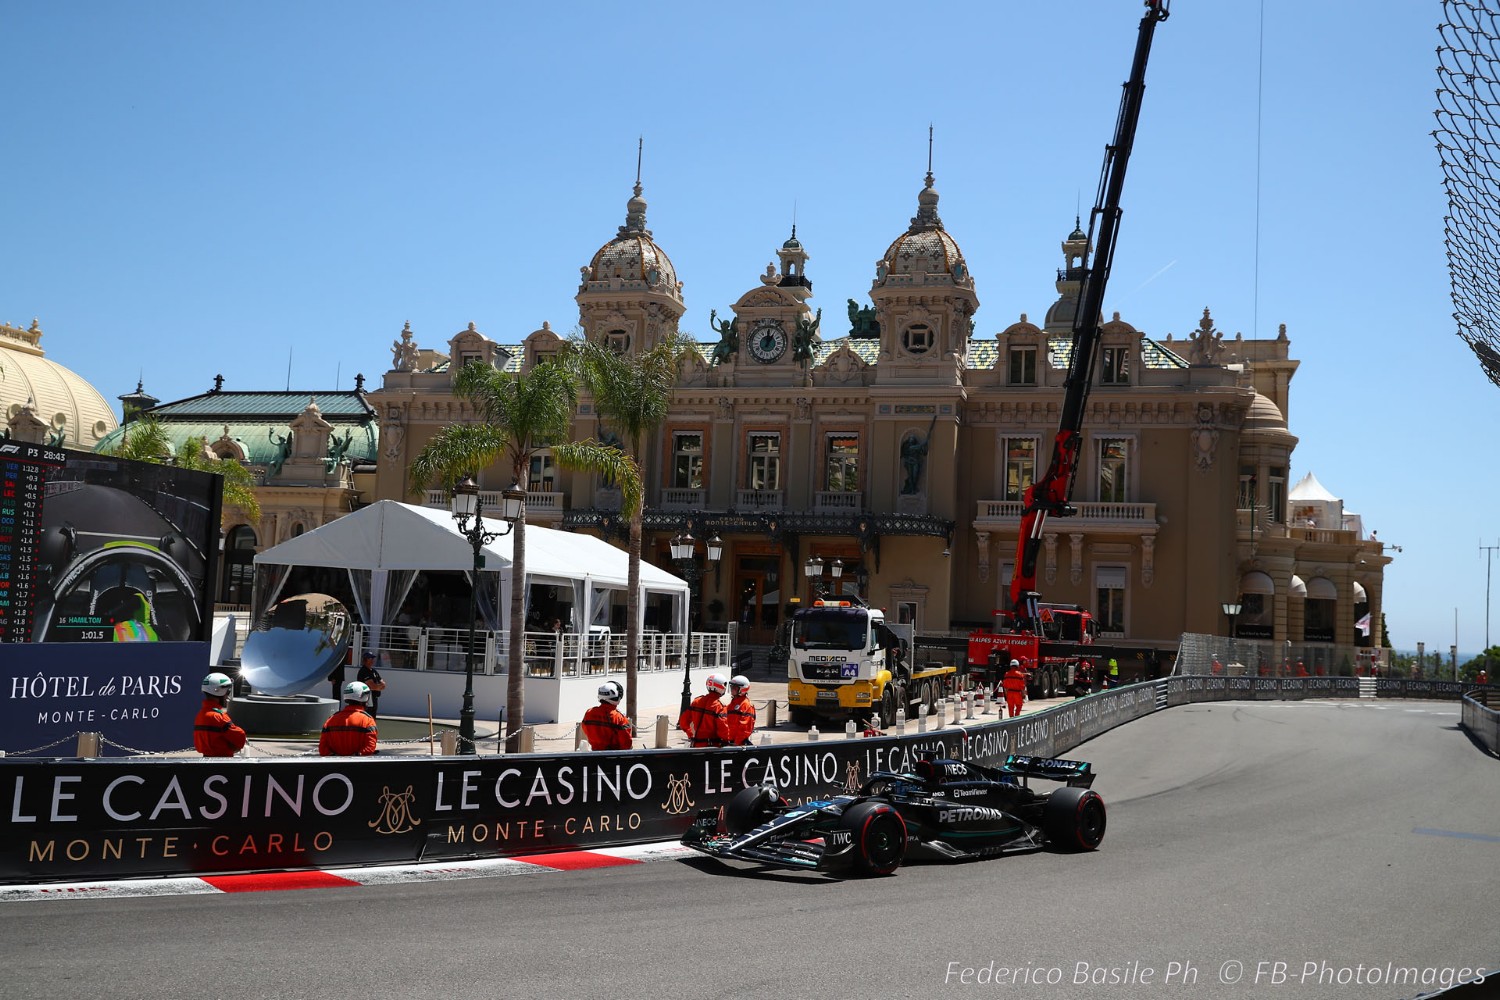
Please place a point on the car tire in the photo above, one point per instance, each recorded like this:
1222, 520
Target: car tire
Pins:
751, 807
879, 835
801, 717
1074, 819
888, 707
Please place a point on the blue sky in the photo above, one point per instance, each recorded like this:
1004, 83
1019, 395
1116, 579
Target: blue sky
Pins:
193, 189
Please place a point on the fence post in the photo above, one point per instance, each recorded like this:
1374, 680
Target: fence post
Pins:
449, 743
771, 714
528, 737
661, 732
88, 745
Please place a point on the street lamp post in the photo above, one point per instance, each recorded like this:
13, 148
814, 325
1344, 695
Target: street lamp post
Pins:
813, 570
1231, 611
683, 555
836, 570
468, 513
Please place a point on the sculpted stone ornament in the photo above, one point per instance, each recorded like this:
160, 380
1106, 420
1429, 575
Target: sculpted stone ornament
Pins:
729, 337
1206, 347
404, 351
1204, 438
862, 322
805, 337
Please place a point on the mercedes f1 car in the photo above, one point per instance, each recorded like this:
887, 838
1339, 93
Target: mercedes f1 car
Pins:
946, 809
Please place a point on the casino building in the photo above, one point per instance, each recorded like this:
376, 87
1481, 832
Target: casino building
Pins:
879, 447
882, 450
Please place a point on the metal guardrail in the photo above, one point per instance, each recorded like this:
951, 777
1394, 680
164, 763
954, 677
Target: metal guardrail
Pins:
545, 653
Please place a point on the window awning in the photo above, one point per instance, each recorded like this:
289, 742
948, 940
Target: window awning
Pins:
1359, 594
1299, 588
1257, 583
1320, 588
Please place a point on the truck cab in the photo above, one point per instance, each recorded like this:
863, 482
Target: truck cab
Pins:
844, 661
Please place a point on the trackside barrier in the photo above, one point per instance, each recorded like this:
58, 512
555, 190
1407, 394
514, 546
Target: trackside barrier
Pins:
1480, 719
71, 819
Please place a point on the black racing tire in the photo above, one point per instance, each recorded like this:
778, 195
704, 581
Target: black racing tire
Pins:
802, 717
888, 707
751, 807
879, 837
1074, 819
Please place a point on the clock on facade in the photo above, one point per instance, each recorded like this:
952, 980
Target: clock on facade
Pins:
767, 341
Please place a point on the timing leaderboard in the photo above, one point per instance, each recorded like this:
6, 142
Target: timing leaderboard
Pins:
24, 469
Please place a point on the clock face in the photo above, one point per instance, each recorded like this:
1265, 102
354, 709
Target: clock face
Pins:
767, 341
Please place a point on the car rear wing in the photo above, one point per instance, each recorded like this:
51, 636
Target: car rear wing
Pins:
1078, 773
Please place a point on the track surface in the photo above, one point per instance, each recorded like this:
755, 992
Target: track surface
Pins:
1346, 835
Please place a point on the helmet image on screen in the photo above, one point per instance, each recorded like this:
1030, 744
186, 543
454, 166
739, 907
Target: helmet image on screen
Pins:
124, 591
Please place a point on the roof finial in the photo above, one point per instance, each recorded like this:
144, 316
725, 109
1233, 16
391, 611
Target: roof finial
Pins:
640, 147
929, 154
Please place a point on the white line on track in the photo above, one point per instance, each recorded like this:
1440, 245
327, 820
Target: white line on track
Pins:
437, 871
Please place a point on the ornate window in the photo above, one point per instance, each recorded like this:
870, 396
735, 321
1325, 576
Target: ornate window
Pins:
764, 464
1247, 487
618, 341
687, 460
1276, 493
842, 470
1114, 469
1114, 366
1020, 465
1109, 600
1020, 368
542, 477
917, 338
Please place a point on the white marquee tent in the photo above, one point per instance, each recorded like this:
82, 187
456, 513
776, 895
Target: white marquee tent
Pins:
386, 545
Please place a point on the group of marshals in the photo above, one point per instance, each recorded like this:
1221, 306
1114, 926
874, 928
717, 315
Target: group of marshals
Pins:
708, 722
349, 732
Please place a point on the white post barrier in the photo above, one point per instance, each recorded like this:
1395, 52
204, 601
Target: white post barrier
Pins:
968, 705
661, 732
900, 722
449, 742
921, 718
812, 734
849, 730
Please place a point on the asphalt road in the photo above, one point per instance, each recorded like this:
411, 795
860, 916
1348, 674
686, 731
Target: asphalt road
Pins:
1344, 835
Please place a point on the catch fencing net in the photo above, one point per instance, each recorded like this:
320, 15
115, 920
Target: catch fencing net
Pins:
1218, 655
1468, 140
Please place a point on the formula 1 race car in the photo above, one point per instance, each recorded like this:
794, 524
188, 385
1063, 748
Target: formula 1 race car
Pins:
947, 809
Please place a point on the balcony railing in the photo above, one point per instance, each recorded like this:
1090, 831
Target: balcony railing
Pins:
678, 498
760, 499
1000, 513
545, 654
536, 503
840, 501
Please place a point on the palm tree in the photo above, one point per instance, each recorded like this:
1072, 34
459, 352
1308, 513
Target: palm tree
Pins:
634, 393
147, 440
519, 415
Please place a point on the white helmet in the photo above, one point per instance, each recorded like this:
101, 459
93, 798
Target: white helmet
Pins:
610, 691
357, 691
716, 683
1015, 663
739, 682
217, 684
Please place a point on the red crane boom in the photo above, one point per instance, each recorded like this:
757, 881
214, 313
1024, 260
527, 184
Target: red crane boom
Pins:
1049, 495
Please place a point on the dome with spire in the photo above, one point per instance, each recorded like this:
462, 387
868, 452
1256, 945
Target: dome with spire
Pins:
75, 413
925, 250
632, 257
